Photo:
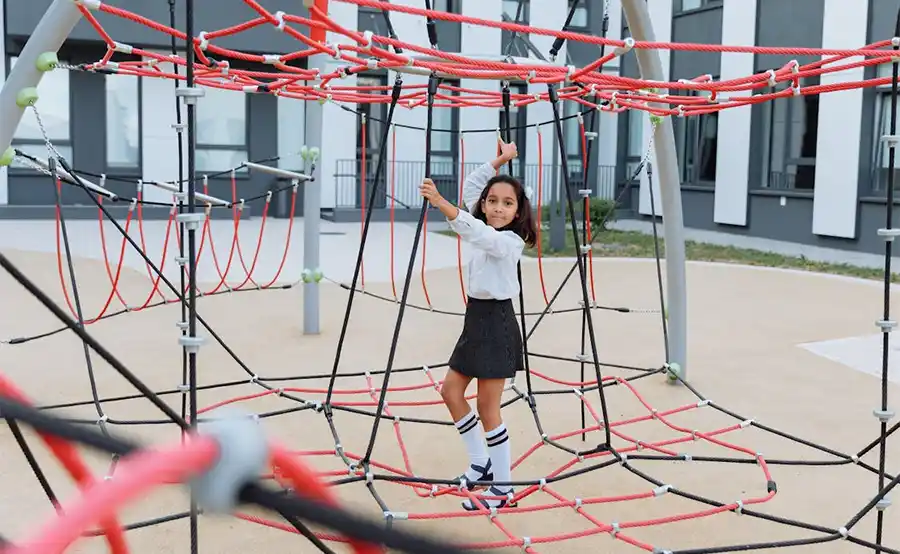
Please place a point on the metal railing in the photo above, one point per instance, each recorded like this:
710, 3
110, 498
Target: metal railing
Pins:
404, 177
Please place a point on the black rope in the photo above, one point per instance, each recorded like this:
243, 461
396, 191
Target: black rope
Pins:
386, 15
32, 461
432, 29
107, 356
373, 194
163, 279
76, 298
554, 102
558, 43
507, 137
432, 90
659, 278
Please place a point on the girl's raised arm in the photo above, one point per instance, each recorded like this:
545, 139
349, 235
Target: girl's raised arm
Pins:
476, 181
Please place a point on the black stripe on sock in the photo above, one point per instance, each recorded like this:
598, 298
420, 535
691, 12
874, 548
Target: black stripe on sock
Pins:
498, 439
465, 426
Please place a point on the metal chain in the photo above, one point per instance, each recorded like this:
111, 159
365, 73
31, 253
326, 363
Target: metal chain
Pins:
50, 148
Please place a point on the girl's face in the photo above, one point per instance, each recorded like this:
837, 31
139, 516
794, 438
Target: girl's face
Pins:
501, 205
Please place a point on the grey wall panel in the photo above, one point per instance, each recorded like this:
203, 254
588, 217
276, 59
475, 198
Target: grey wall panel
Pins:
702, 27
788, 23
882, 19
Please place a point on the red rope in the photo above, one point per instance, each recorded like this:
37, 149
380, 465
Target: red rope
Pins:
620, 92
72, 462
587, 205
62, 272
140, 211
112, 280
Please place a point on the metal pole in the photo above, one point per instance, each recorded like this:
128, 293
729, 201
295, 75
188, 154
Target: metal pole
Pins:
50, 33
638, 17
312, 213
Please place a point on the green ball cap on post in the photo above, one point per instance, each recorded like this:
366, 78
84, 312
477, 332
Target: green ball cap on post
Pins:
47, 61
673, 371
7, 157
27, 97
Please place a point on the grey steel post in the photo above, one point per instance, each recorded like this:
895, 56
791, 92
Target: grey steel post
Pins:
50, 33
638, 17
312, 212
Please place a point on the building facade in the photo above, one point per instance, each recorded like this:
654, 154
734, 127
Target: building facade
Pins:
122, 126
808, 169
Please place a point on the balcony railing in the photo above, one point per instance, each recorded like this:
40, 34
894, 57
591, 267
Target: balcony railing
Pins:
401, 181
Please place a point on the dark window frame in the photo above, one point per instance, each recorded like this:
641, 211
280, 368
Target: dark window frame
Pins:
796, 173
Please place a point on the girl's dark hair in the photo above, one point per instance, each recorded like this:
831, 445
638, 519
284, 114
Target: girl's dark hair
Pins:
524, 224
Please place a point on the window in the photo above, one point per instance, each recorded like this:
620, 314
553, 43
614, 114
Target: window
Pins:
580, 17
376, 115
790, 132
634, 151
449, 6
687, 5
54, 108
123, 122
515, 11
881, 165
572, 132
291, 131
221, 130
511, 8
696, 137
445, 142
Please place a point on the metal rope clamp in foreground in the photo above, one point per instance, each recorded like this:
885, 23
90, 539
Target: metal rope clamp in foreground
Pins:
243, 455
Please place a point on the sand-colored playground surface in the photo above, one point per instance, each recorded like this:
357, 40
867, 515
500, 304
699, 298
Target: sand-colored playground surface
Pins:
745, 328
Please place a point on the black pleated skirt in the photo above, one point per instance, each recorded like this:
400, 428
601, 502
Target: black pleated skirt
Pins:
490, 345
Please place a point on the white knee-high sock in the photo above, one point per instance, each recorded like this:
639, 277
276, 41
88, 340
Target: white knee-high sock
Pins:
470, 431
498, 449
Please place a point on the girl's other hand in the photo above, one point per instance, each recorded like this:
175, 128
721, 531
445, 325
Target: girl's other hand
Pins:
430, 192
508, 150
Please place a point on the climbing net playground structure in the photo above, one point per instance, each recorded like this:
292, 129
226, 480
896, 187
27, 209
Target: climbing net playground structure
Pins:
223, 455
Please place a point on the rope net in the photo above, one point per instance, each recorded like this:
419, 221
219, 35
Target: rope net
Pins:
134, 470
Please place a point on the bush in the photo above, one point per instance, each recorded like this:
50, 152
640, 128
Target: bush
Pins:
602, 212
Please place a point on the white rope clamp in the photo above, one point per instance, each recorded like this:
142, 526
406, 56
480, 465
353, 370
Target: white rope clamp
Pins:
624, 49
204, 42
279, 17
243, 453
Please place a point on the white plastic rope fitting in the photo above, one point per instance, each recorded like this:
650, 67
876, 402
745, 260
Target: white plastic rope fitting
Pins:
243, 454
624, 49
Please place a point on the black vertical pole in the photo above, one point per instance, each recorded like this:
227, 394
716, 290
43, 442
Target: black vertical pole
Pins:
192, 243
179, 132
883, 414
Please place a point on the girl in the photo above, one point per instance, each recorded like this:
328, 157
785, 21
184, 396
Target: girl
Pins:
498, 224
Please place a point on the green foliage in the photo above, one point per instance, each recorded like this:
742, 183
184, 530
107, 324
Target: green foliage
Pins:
602, 212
